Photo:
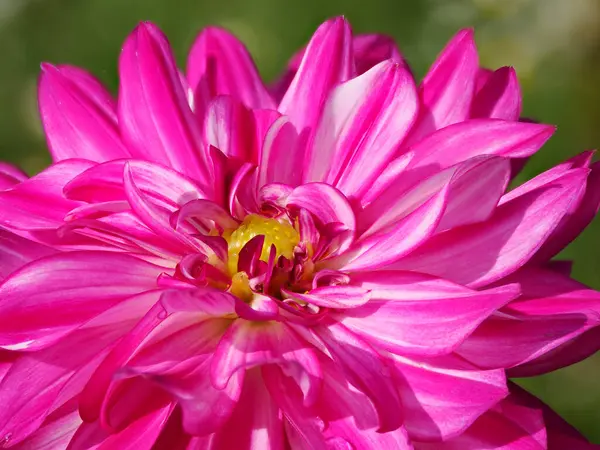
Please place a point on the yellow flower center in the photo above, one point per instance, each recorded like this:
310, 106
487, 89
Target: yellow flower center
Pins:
282, 235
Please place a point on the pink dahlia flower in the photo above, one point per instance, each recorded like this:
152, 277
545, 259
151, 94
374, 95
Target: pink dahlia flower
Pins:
333, 262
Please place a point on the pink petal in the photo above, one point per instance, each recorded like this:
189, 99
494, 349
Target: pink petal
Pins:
69, 283
499, 97
281, 156
365, 369
411, 313
78, 115
326, 63
222, 60
447, 89
389, 175
363, 123
104, 182
464, 140
481, 253
255, 422
10, 175
245, 345
39, 202
42, 381
510, 425
154, 116
230, 127
324, 202
16, 251
337, 297
140, 434
392, 244
443, 396
554, 311
371, 49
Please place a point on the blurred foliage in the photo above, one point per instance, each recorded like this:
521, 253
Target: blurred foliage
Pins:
553, 44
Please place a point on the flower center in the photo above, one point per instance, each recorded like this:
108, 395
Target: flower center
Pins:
282, 235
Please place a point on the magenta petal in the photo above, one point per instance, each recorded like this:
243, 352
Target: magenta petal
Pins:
363, 123
281, 156
256, 422
371, 49
337, 297
476, 137
79, 116
513, 424
247, 345
154, 116
448, 88
230, 127
16, 251
442, 397
411, 313
481, 253
219, 58
326, 63
393, 243
10, 175
499, 97
366, 370
39, 202
70, 283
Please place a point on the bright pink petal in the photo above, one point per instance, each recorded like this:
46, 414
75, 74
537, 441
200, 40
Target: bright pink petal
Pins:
443, 397
393, 243
256, 421
411, 313
324, 202
336, 297
365, 369
39, 202
230, 127
246, 345
79, 116
363, 123
476, 137
554, 311
220, 59
371, 49
51, 296
510, 425
481, 253
500, 96
326, 63
10, 175
16, 251
154, 116
281, 156
448, 88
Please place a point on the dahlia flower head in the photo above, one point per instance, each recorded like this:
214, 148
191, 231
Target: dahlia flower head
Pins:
330, 262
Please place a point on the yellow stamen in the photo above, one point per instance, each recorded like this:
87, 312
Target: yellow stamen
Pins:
240, 286
282, 235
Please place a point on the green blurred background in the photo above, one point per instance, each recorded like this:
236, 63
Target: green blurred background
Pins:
553, 44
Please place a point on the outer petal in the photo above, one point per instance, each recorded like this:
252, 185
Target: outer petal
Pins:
39, 202
442, 397
511, 425
16, 251
10, 175
555, 310
256, 422
218, 57
482, 253
499, 97
448, 88
464, 140
247, 344
326, 63
371, 49
363, 123
365, 369
154, 116
78, 115
417, 314
69, 283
